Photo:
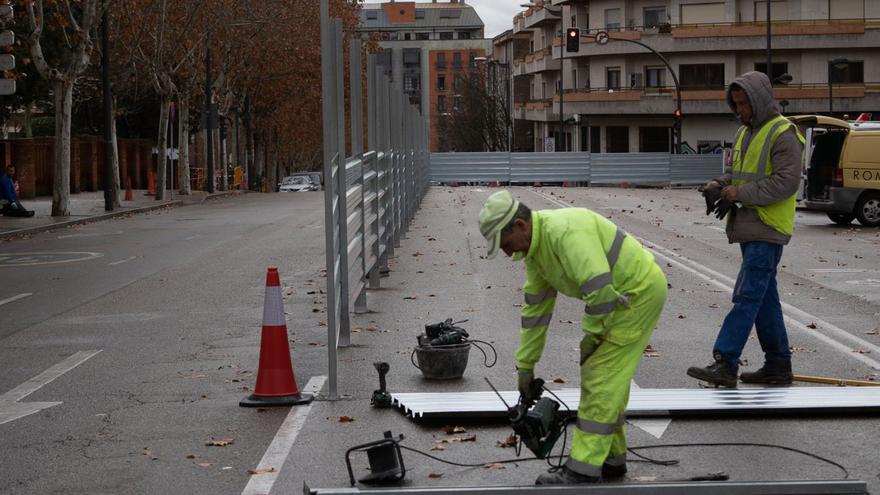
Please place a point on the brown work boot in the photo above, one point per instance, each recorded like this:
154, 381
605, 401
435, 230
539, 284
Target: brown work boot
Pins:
717, 373
769, 376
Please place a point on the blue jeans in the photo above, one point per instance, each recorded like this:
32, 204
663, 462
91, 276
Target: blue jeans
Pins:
756, 303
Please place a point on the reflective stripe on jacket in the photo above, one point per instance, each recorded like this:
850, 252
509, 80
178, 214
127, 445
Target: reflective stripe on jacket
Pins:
579, 253
755, 164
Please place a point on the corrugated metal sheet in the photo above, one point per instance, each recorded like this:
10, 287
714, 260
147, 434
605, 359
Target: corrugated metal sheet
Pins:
470, 167
634, 168
469, 18
660, 402
695, 169
549, 167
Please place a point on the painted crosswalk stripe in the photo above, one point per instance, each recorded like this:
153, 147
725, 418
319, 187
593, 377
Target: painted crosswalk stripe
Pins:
15, 298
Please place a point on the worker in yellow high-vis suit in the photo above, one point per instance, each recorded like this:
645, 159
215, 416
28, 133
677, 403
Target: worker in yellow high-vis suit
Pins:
581, 254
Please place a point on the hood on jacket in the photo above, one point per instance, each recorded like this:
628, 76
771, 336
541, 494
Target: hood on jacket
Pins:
760, 93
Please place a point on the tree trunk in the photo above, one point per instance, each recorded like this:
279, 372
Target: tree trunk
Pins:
114, 193
221, 158
162, 148
258, 161
237, 152
249, 152
28, 121
61, 179
183, 146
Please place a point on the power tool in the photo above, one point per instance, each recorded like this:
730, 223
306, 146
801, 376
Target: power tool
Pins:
538, 423
443, 333
381, 398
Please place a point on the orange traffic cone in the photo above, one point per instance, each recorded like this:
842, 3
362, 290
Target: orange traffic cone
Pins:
128, 194
151, 185
276, 385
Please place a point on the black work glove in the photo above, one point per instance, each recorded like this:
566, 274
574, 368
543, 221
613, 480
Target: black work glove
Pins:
722, 208
712, 195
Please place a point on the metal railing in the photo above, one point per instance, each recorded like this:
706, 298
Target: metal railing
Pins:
370, 196
584, 167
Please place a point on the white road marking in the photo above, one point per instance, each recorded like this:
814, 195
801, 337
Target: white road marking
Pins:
11, 409
841, 270
191, 237
715, 227
279, 449
93, 234
122, 261
15, 298
33, 259
795, 317
655, 427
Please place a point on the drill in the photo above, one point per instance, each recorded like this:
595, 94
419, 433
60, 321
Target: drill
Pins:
538, 423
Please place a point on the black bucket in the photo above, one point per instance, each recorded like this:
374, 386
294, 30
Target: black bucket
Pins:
445, 362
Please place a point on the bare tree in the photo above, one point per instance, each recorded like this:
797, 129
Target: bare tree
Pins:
76, 24
480, 112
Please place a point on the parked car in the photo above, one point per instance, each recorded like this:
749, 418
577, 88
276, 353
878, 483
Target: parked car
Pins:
842, 168
297, 184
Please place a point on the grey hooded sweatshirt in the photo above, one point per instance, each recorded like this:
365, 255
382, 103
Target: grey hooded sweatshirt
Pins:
785, 155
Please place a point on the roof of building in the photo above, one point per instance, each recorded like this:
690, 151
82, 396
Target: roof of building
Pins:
429, 15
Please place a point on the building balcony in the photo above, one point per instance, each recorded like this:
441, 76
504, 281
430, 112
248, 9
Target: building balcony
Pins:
799, 99
519, 23
787, 35
540, 61
537, 16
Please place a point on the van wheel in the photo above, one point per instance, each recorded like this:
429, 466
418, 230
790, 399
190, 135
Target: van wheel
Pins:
841, 218
868, 210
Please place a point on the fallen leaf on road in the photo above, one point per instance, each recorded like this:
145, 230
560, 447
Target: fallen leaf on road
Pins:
471, 438
558, 380
681, 317
645, 478
220, 443
862, 351
438, 446
714, 306
650, 351
191, 456
261, 470
149, 453
417, 253
204, 464
509, 442
450, 430
494, 465
345, 419
812, 325
435, 475
411, 298
875, 331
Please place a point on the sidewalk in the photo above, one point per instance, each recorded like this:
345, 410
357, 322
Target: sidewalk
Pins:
89, 207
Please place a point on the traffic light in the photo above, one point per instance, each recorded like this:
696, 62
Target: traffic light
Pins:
676, 119
572, 40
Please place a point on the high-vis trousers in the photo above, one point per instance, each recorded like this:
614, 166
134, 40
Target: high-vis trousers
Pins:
607, 369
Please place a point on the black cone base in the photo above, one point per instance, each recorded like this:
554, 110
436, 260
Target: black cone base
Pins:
283, 401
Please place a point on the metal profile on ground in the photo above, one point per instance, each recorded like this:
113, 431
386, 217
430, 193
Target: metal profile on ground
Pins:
817, 487
660, 402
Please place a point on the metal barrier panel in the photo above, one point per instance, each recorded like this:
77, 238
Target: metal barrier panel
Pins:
695, 169
634, 168
549, 167
470, 167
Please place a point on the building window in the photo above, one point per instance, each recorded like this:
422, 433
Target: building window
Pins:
420, 13
406, 36
543, 89
612, 77
410, 83
612, 19
654, 16
456, 60
445, 35
846, 9
702, 13
779, 69
458, 84
423, 36
701, 76
654, 139
655, 77
472, 59
617, 139
441, 60
851, 72
464, 35
456, 102
441, 104
574, 78
441, 83
778, 10
372, 14
595, 139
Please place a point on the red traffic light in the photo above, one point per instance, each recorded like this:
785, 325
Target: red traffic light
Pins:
677, 113
572, 33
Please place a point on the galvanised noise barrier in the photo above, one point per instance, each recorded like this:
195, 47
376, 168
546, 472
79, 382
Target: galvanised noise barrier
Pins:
370, 196
593, 168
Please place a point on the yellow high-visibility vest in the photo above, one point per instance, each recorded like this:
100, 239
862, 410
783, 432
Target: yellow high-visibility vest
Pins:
755, 164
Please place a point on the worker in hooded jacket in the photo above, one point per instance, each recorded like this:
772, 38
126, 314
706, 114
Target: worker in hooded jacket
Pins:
759, 189
581, 254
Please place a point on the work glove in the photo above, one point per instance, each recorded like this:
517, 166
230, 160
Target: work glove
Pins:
524, 384
712, 195
722, 208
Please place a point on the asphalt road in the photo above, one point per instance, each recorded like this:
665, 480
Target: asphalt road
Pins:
173, 302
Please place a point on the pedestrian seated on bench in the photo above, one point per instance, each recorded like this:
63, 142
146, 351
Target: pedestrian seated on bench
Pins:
9, 204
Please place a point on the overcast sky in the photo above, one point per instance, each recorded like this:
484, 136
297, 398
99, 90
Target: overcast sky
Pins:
496, 14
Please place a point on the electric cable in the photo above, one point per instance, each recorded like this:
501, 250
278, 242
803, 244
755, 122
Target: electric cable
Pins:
485, 357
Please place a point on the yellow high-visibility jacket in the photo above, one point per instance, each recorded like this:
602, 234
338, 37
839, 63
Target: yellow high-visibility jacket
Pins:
579, 253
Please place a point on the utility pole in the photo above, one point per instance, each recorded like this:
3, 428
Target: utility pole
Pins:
108, 113
769, 52
562, 48
209, 136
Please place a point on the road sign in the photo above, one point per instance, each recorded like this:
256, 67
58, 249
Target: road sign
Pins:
7, 87
602, 37
7, 61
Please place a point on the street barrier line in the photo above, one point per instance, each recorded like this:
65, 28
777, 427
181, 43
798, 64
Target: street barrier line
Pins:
793, 315
273, 460
15, 298
46, 377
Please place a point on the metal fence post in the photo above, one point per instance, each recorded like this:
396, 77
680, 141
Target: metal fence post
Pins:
342, 181
357, 151
373, 140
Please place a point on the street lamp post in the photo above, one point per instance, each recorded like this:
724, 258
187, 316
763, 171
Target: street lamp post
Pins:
837, 63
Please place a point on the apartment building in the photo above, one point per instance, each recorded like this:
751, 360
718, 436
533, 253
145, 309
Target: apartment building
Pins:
620, 97
427, 47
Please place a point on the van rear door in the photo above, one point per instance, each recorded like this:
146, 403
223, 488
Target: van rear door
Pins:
825, 137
